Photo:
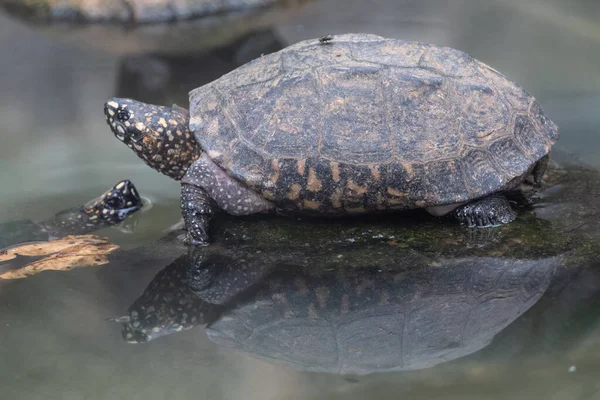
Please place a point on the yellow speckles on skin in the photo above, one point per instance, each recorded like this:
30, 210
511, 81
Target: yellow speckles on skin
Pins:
105, 211
301, 165
112, 212
120, 185
173, 122
395, 192
268, 195
356, 188
335, 171
375, 171
179, 133
113, 104
313, 184
157, 158
294, 192
137, 147
162, 122
311, 205
111, 112
150, 142
140, 126
79, 217
93, 217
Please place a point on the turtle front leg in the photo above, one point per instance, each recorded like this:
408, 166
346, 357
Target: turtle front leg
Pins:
206, 188
489, 211
197, 209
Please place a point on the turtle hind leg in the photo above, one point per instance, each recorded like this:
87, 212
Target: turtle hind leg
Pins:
494, 210
539, 170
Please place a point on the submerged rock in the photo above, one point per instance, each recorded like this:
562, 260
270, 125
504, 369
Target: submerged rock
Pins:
381, 293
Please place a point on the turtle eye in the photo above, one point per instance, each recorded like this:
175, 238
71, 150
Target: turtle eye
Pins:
122, 115
113, 203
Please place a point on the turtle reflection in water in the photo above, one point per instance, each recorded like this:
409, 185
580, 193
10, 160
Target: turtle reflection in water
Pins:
317, 311
108, 209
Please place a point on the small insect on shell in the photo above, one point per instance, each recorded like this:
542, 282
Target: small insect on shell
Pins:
325, 39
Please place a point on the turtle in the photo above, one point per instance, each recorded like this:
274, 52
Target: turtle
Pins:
152, 26
129, 11
365, 124
110, 208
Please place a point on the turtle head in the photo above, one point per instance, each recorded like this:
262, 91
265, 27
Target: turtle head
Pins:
110, 208
114, 205
157, 314
158, 135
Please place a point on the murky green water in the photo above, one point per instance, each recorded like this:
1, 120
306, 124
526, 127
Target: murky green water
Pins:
57, 152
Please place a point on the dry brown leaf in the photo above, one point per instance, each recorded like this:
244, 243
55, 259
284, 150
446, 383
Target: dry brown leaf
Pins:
51, 247
64, 254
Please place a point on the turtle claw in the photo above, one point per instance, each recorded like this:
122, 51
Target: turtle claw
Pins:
197, 227
190, 240
486, 213
197, 211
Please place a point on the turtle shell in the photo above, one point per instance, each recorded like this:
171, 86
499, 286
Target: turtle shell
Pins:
364, 122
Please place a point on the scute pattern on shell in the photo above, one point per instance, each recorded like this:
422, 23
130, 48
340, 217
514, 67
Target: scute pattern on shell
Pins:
369, 123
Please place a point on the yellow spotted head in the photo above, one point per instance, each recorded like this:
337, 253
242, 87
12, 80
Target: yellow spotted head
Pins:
158, 135
113, 206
